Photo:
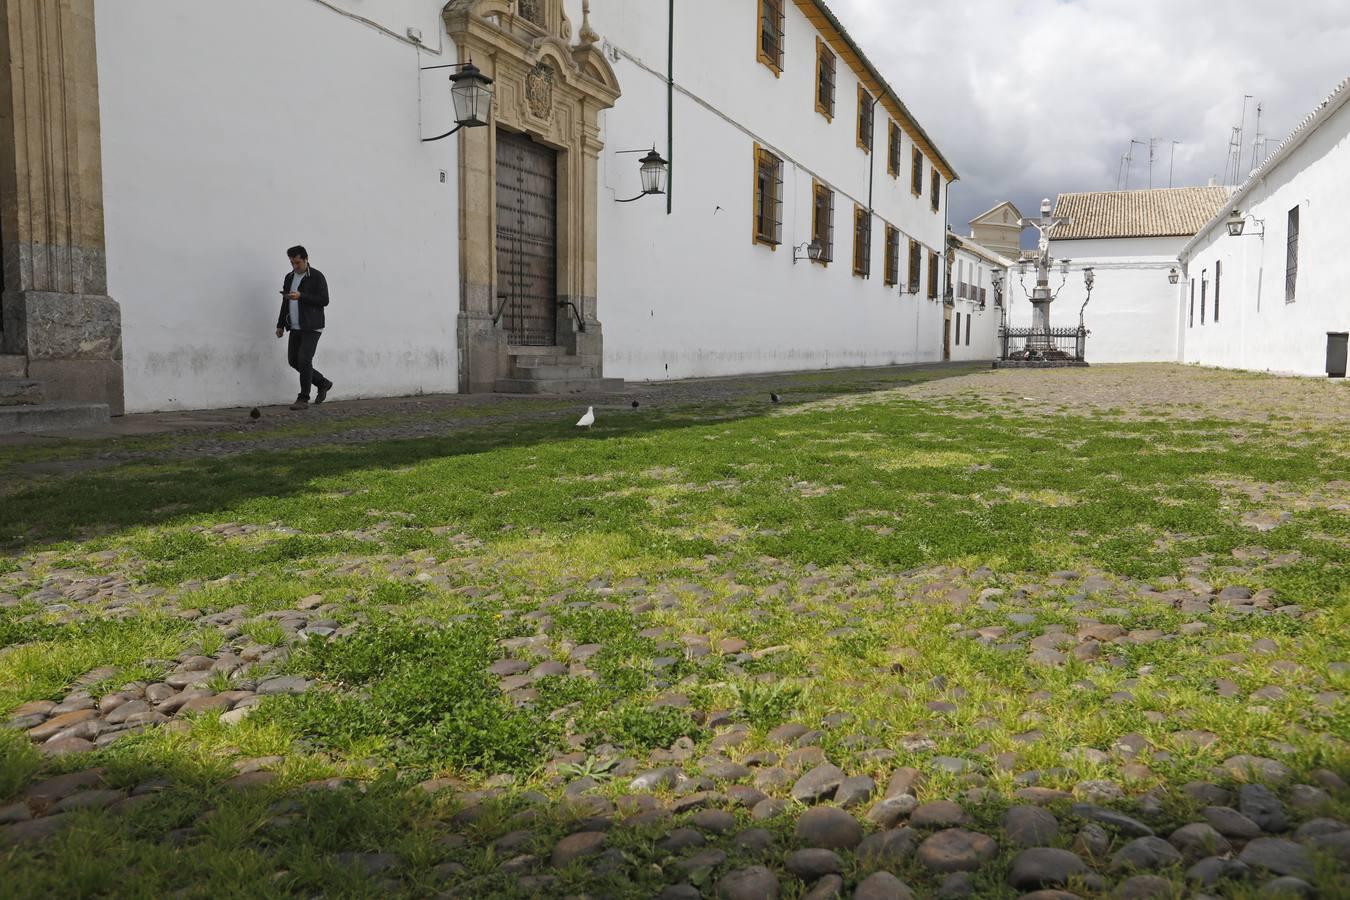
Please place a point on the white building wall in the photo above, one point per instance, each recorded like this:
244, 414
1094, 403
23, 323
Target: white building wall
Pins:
691, 294
233, 129
1133, 314
1256, 328
979, 324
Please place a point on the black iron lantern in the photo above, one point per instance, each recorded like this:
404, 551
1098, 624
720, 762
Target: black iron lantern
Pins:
472, 95
655, 171
1237, 223
1173, 277
814, 249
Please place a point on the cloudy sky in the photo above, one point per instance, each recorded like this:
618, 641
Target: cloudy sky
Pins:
1029, 98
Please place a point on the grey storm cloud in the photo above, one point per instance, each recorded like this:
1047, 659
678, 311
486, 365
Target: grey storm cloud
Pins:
1031, 98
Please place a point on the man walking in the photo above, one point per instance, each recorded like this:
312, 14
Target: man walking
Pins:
304, 294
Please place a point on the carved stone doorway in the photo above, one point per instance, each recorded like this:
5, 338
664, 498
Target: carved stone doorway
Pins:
527, 240
549, 92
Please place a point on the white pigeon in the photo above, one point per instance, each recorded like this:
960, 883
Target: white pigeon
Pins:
589, 419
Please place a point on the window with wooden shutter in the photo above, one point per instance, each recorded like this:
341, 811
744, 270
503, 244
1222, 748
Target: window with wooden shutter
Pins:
892, 274
937, 189
1291, 258
915, 266
916, 176
934, 269
1218, 279
771, 34
866, 118
825, 77
822, 222
768, 198
894, 140
862, 242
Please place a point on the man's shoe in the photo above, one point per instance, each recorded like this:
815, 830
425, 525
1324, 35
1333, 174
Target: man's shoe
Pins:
322, 395
300, 404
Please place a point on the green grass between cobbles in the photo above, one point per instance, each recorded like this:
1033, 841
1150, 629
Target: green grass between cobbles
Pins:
853, 491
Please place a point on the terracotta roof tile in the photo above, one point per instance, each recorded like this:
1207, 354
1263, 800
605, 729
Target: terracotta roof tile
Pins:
1162, 212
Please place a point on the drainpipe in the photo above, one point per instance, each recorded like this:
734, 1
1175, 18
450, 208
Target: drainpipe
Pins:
871, 182
670, 113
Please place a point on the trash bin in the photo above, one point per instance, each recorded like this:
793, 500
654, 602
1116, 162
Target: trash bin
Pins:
1337, 342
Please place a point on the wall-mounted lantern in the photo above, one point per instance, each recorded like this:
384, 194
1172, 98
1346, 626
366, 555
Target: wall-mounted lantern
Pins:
655, 171
1237, 224
1173, 277
471, 92
1089, 277
1064, 267
811, 250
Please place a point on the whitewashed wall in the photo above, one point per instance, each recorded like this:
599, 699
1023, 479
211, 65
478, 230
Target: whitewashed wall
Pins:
1257, 329
691, 294
1133, 315
982, 323
233, 129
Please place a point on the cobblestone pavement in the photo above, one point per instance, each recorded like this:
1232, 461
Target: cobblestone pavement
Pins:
764, 797
1151, 391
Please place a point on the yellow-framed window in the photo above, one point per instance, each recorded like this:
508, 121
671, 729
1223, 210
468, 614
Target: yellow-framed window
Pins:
916, 174
892, 274
768, 223
934, 268
822, 221
771, 33
826, 65
915, 266
937, 189
866, 119
894, 140
862, 242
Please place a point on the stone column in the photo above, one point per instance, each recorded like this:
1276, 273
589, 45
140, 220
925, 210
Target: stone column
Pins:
55, 310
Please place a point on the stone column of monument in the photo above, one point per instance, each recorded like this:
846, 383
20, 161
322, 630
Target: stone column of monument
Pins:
54, 309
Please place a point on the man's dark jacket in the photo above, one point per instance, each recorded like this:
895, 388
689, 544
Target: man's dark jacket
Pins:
313, 298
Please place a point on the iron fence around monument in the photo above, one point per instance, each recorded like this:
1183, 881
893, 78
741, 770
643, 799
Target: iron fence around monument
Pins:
1067, 345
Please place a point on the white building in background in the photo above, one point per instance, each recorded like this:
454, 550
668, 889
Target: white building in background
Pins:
497, 259
1131, 240
1268, 298
975, 300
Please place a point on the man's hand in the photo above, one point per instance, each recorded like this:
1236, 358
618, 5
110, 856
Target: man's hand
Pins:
280, 332
293, 295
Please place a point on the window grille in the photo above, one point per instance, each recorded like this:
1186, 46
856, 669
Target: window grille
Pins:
771, 30
825, 76
892, 256
893, 156
934, 268
822, 222
866, 117
862, 242
916, 178
1218, 278
937, 189
768, 198
915, 266
1291, 258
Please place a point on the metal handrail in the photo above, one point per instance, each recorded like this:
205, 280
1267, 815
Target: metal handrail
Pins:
576, 314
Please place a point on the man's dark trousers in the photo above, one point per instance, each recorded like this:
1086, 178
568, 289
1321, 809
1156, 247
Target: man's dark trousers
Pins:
300, 355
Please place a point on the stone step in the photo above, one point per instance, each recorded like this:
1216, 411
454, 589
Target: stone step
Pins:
546, 357
12, 366
52, 417
19, 391
558, 385
555, 372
